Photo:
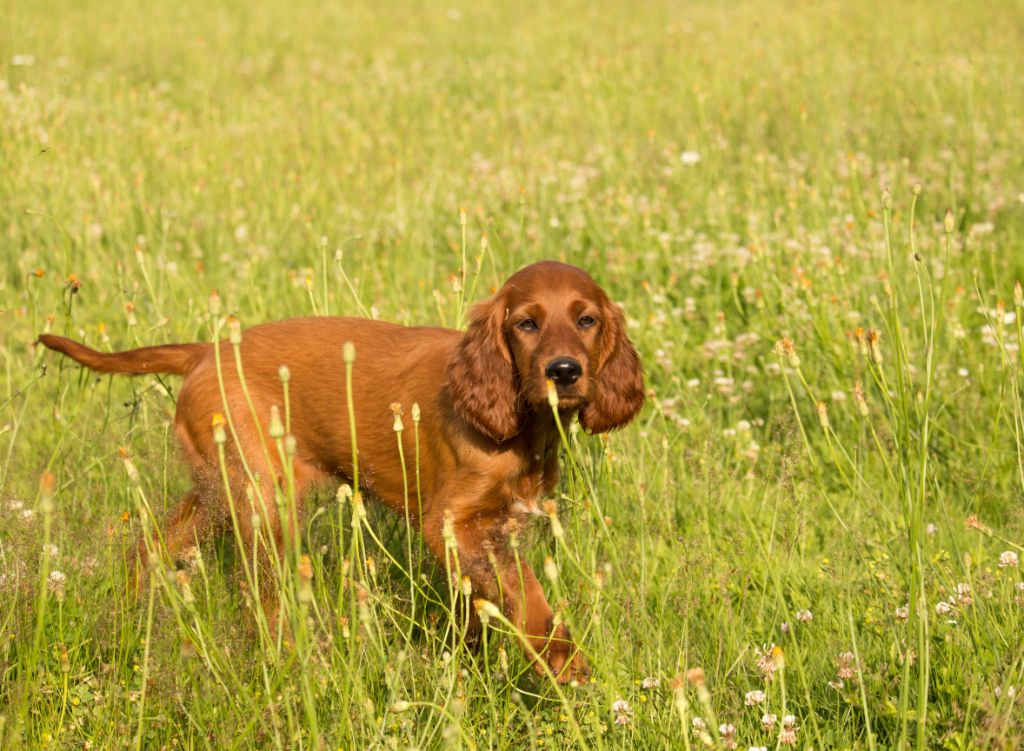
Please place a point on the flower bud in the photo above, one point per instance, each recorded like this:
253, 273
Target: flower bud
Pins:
276, 428
876, 351
219, 436
823, 415
552, 394
550, 568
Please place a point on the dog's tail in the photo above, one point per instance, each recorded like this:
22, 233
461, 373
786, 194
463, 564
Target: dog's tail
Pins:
180, 359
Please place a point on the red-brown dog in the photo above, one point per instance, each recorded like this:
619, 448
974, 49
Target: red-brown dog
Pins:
489, 447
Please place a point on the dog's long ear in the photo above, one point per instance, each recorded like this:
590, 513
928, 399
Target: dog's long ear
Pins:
481, 378
619, 392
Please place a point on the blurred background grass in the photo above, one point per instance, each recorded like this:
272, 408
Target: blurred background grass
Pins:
719, 168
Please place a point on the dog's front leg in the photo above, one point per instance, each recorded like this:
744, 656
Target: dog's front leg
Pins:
477, 545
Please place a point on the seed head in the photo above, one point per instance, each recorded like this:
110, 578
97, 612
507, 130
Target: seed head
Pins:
860, 400
305, 568
550, 568
551, 509
552, 394
219, 436
276, 427
786, 348
876, 352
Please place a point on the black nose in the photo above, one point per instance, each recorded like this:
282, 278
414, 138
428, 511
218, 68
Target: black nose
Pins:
564, 371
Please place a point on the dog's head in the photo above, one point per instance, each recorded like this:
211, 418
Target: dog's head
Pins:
549, 322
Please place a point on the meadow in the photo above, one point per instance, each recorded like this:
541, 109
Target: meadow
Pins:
813, 217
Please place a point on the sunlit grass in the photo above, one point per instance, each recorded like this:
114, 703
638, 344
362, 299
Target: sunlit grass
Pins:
813, 218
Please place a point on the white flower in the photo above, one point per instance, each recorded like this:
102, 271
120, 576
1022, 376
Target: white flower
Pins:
699, 725
754, 697
804, 616
50, 550
56, 583
788, 735
943, 608
846, 666
902, 613
650, 682
1008, 558
622, 711
23, 61
689, 158
768, 721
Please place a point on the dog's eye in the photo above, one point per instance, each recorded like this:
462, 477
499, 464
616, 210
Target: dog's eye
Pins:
527, 324
585, 322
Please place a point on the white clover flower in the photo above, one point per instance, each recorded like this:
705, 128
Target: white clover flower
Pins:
650, 682
788, 735
622, 711
689, 158
943, 608
55, 582
1008, 558
804, 616
699, 726
753, 698
902, 613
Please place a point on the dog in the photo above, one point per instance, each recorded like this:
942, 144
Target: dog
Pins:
489, 448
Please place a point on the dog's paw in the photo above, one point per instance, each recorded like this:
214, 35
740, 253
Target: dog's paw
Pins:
564, 658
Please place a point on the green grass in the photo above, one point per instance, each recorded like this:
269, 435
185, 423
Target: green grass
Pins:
308, 157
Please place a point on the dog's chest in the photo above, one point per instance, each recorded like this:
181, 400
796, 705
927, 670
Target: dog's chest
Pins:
529, 487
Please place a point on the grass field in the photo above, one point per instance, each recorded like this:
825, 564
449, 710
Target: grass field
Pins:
813, 216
